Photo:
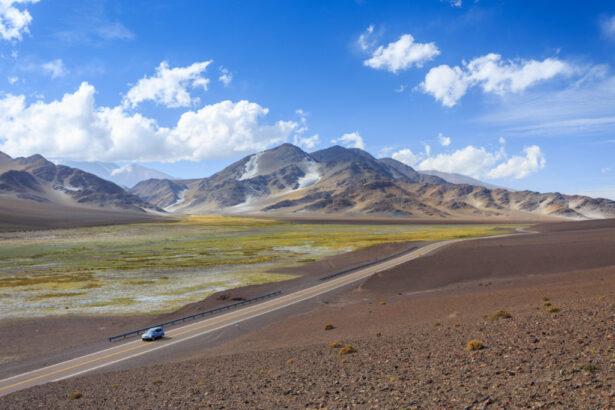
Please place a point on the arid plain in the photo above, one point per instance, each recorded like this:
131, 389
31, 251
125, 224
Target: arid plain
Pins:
409, 327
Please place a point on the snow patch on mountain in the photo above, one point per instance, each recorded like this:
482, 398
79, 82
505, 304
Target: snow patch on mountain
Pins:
311, 177
251, 167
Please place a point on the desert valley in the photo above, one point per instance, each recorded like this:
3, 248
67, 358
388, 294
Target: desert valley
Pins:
412, 221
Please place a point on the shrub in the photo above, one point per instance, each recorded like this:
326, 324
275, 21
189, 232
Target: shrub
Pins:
554, 309
76, 395
392, 379
545, 299
588, 367
157, 381
383, 302
329, 326
436, 324
344, 360
546, 304
500, 314
199, 383
335, 345
290, 361
348, 349
114, 386
456, 324
474, 345
378, 334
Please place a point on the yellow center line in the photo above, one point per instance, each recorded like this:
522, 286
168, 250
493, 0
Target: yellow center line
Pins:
245, 312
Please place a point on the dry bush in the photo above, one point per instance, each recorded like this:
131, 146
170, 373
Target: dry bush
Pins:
588, 367
474, 345
546, 304
554, 309
76, 395
545, 299
335, 345
436, 324
157, 381
383, 302
500, 314
378, 334
290, 361
329, 326
348, 349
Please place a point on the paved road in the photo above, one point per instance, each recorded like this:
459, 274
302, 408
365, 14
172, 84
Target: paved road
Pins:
129, 350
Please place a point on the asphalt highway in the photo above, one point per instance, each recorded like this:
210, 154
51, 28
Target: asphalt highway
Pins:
126, 351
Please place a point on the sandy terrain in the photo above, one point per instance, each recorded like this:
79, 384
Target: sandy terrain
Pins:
20, 214
410, 327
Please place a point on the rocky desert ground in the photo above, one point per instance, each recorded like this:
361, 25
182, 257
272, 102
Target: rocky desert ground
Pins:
546, 340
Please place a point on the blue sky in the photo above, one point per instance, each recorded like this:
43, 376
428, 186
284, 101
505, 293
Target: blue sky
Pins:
516, 93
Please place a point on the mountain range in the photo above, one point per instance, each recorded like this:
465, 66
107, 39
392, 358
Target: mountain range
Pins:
286, 180
351, 182
35, 179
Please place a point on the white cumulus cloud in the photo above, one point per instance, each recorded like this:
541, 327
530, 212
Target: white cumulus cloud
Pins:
306, 142
74, 127
407, 156
520, 166
446, 84
477, 162
401, 54
169, 86
350, 140
444, 141
14, 19
492, 74
55, 68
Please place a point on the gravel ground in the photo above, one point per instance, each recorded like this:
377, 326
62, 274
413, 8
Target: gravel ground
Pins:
535, 359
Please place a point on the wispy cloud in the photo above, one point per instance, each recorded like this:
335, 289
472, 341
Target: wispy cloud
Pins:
89, 22
584, 108
607, 25
55, 68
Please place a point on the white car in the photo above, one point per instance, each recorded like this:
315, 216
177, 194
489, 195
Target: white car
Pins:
153, 334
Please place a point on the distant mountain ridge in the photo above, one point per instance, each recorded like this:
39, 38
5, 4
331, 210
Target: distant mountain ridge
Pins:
127, 176
349, 181
36, 179
461, 179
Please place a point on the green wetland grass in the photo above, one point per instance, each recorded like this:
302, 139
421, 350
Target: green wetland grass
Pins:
161, 266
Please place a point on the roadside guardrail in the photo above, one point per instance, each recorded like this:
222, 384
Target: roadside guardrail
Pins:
365, 265
194, 316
